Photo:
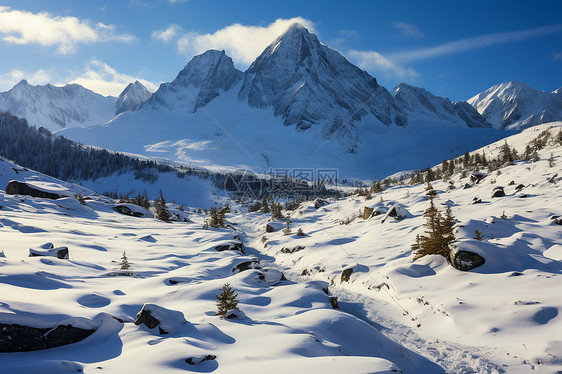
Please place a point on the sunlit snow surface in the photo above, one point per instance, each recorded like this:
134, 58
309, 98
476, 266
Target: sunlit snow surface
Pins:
425, 317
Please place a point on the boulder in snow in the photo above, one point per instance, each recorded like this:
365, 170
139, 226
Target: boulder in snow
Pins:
318, 203
398, 212
196, 360
368, 212
234, 246
466, 260
22, 188
167, 320
346, 275
476, 177
292, 250
246, 265
49, 250
131, 210
498, 192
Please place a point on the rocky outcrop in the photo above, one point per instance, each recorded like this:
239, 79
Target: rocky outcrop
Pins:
18, 338
22, 188
466, 260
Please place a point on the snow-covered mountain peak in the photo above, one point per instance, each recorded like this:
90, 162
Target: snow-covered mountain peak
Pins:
420, 101
131, 98
202, 79
55, 107
516, 105
310, 84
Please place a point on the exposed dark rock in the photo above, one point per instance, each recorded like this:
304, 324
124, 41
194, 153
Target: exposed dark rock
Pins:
48, 250
236, 246
334, 302
466, 260
17, 338
269, 228
123, 209
367, 212
146, 317
476, 200
556, 219
346, 274
512, 183
550, 180
498, 192
466, 186
246, 265
519, 187
199, 359
292, 250
318, 203
476, 177
21, 188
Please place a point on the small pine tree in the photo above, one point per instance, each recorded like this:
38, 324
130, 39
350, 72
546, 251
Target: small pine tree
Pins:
264, 208
81, 199
503, 216
478, 235
276, 212
226, 300
551, 161
439, 233
125, 262
162, 212
300, 232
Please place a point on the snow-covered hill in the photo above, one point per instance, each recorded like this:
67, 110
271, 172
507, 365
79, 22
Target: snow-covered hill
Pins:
131, 98
503, 316
516, 105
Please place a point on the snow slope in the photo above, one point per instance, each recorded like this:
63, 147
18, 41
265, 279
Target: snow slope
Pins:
175, 271
502, 317
515, 105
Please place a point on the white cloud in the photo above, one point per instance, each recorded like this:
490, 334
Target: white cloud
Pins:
103, 79
176, 1
377, 63
478, 42
64, 33
408, 29
167, 34
242, 43
11, 78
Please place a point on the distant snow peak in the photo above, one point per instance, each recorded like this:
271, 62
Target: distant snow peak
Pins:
202, 80
54, 107
516, 105
131, 97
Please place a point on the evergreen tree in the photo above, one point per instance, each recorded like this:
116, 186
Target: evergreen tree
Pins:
438, 234
478, 235
506, 155
216, 217
551, 160
125, 262
162, 212
264, 208
226, 300
276, 212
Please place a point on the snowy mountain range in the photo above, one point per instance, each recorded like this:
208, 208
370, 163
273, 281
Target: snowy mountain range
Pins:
299, 102
72, 105
515, 105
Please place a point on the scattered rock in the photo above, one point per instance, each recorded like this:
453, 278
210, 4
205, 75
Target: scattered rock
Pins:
476, 200
236, 246
22, 188
466, 260
334, 302
18, 338
466, 186
318, 203
346, 275
196, 360
234, 313
556, 219
48, 250
512, 183
398, 212
519, 187
476, 177
367, 212
246, 265
550, 180
292, 250
498, 192
269, 228
167, 320
127, 210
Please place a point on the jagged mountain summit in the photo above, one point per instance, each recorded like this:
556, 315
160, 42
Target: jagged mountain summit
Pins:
308, 83
202, 80
54, 107
132, 97
416, 100
516, 105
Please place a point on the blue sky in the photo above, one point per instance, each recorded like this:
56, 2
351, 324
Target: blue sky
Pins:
452, 48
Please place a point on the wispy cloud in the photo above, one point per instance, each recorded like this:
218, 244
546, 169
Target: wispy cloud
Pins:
64, 33
243, 43
376, 63
468, 44
558, 56
408, 29
167, 34
9, 79
103, 79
